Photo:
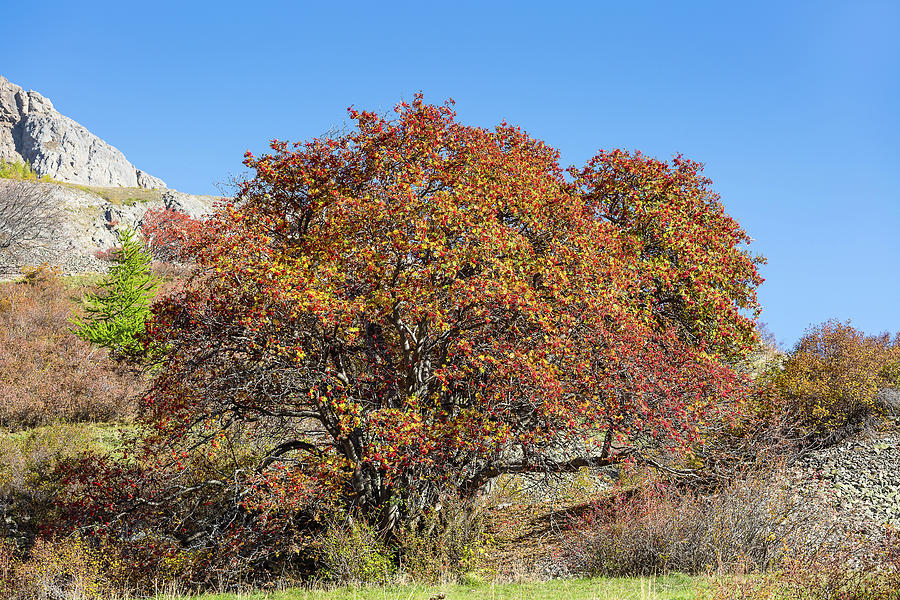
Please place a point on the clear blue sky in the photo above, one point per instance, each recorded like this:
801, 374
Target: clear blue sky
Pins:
794, 107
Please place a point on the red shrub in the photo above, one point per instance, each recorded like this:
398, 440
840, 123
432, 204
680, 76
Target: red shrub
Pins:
106, 255
171, 235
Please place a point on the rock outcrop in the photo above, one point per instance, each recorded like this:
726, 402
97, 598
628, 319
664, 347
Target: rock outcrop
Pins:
88, 221
860, 479
32, 131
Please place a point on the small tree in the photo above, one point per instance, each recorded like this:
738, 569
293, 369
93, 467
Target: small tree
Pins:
117, 314
28, 219
171, 235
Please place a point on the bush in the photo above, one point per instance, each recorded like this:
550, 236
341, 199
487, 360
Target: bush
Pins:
64, 569
31, 483
19, 170
171, 235
830, 381
830, 576
445, 544
350, 552
47, 374
657, 528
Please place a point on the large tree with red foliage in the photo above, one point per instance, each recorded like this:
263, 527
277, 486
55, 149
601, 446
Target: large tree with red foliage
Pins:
418, 306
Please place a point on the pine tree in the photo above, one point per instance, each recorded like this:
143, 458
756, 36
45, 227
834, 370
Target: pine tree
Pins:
117, 314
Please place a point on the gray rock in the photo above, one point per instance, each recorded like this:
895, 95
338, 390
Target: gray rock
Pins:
863, 478
889, 400
145, 180
193, 206
32, 131
89, 223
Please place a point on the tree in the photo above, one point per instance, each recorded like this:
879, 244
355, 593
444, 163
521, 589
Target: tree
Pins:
116, 316
28, 219
416, 307
171, 235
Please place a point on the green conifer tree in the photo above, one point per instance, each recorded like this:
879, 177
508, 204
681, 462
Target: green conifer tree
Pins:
117, 314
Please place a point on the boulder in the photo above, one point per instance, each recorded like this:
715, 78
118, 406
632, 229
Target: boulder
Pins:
889, 400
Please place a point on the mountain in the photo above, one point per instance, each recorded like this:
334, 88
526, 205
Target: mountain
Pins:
32, 131
94, 189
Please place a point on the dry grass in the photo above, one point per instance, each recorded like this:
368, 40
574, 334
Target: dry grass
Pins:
121, 196
756, 520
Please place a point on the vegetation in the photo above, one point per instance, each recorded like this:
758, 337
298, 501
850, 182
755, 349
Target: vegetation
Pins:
47, 374
116, 315
756, 521
672, 587
170, 235
833, 375
19, 170
406, 312
120, 196
374, 365
824, 389
28, 220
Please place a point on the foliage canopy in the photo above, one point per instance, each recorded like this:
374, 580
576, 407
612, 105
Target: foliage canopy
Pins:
418, 306
832, 376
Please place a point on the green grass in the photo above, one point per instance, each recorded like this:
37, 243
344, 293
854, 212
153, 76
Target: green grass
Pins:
82, 280
673, 587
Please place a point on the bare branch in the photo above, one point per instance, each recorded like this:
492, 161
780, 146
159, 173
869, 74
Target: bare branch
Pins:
28, 219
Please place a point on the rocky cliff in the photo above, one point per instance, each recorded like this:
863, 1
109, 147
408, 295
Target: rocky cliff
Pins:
32, 131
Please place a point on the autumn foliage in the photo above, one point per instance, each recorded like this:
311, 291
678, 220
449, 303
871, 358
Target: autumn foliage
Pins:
170, 235
47, 374
415, 307
831, 378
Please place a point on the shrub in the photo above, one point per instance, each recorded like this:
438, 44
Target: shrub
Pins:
658, 528
43, 274
30, 484
106, 255
64, 569
829, 576
831, 379
171, 235
183, 516
47, 374
19, 170
29, 219
444, 544
351, 552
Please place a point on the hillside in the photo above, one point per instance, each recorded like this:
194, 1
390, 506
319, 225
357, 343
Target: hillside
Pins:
81, 188
89, 217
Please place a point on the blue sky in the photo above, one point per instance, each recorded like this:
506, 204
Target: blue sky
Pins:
794, 107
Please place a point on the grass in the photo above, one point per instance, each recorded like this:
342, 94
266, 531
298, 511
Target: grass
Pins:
672, 587
120, 196
82, 280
